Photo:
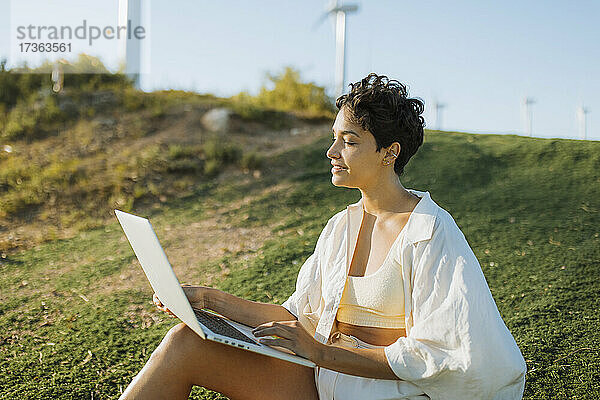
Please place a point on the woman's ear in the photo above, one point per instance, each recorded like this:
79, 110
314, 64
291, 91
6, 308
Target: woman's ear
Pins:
394, 150
391, 154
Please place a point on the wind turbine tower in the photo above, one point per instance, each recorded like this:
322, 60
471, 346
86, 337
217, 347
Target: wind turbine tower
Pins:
130, 15
339, 11
58, 77
527, 103
582, 113
438, 114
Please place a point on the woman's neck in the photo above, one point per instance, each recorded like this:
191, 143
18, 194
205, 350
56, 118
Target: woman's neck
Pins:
388, 198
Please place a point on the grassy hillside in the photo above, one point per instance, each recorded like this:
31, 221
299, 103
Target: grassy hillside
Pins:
77, 315
120, 148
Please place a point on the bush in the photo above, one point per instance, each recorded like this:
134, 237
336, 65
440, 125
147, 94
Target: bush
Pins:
287, 92
178, 152
9, 86
3, 117
212, 167
25, 185
31, 118
251, 161
19, 123
227, 153
29, 109
20, 83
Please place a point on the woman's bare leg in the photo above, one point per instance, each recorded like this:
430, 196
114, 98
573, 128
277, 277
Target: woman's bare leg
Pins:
184, 359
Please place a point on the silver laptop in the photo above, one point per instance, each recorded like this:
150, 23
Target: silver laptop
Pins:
208, 325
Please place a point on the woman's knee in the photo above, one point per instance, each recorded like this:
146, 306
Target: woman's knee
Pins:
179, 340
180, 333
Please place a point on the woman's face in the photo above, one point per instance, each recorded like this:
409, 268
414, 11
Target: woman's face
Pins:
356, 163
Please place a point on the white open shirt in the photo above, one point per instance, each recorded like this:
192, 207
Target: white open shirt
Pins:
457, 346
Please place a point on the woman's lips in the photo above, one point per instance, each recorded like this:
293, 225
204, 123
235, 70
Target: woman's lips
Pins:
337, 169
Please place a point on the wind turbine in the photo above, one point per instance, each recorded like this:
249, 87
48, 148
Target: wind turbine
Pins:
339, 11
527, 103
438, 114
582, 113
58, 77
130, 15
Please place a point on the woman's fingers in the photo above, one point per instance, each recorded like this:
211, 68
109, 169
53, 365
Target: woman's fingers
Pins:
272, 329
161, 306
288, 334
281, 342
156, 301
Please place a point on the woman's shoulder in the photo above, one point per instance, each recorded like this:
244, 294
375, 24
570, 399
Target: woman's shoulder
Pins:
336, 222
448, 239
444, 220
444, 224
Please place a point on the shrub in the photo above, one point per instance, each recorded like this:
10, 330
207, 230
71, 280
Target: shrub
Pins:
3, 117
286, 92
20, 83
19, 123
212, 167
177, 151
227, 153
31, 118
251, 160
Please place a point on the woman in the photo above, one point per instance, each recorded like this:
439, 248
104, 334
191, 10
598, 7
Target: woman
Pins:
391, 305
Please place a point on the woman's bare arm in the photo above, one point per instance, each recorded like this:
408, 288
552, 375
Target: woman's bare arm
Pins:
370, 363
251, 313
247, 312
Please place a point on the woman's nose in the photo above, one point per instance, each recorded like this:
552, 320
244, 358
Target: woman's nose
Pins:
332, 151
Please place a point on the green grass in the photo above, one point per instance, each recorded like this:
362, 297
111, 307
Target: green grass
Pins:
530, 209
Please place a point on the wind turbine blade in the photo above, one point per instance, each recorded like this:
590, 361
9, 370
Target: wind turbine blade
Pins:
320, 20
349, 8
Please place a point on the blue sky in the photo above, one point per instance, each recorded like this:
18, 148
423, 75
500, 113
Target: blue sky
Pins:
479, 58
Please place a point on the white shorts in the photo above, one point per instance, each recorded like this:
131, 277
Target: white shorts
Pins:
336, 385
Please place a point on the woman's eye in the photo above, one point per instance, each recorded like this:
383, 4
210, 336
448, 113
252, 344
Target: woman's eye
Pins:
348, 143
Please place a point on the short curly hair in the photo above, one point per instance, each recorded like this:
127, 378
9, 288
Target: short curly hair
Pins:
381, 106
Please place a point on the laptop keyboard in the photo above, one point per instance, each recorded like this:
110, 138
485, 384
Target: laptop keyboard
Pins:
218, 325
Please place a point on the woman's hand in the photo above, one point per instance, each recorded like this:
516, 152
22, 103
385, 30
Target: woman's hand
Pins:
290, 335
161, 306
196, 295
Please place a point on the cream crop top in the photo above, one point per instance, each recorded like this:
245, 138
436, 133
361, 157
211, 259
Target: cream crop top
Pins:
375, 300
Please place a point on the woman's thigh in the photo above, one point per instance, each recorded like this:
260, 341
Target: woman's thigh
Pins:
242, 374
